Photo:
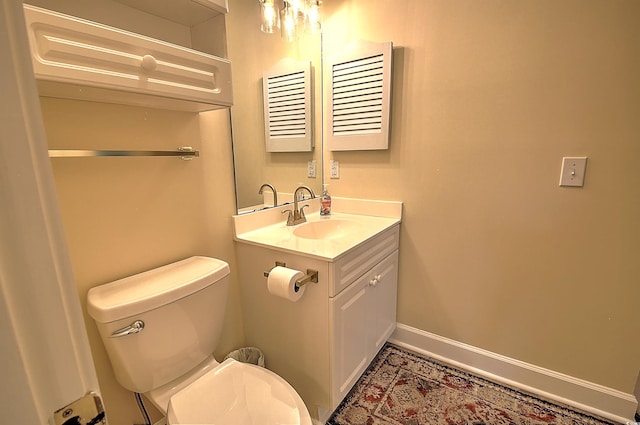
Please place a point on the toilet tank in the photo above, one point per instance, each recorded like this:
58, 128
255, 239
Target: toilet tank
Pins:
181, 306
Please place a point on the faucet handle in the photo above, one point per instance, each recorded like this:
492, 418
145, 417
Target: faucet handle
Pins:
290, 218
302, 217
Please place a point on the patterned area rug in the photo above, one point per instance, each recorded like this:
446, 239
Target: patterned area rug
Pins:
401, 388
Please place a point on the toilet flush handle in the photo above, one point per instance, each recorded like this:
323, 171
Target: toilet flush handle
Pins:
133, 328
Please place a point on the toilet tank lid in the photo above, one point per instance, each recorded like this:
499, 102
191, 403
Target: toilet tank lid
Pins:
154, 288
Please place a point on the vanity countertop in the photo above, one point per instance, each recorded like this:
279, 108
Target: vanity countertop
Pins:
323, 237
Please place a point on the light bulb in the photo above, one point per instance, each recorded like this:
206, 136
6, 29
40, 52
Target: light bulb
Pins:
289, 23
270, 19
313, 16
297, 6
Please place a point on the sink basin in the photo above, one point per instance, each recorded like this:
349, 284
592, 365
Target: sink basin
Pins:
325, 229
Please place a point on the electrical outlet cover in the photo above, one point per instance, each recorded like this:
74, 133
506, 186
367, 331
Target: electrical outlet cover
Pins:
311, 169
335, 169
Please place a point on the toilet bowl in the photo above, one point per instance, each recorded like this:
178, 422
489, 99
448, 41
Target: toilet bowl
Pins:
180, 308
244, 395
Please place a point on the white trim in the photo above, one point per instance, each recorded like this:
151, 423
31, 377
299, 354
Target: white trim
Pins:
586, 396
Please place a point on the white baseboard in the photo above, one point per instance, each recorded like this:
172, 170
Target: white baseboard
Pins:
586, 396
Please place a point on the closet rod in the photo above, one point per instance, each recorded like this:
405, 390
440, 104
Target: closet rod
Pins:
182, 152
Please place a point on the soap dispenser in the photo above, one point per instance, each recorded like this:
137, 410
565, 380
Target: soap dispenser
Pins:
325, 208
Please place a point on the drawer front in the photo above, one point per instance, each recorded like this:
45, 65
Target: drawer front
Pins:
361, 259
71, 50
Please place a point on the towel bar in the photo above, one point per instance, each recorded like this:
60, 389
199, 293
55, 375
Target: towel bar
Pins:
185, 153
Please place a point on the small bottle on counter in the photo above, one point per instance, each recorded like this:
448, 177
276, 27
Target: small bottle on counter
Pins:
325, 207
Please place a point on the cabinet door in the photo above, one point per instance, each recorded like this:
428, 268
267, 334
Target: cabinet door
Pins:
350, 337
383, 296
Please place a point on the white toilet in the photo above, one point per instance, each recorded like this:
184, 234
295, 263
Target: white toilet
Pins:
160, 329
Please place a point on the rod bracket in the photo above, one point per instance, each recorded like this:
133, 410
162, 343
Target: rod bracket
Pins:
278, 263
311, 276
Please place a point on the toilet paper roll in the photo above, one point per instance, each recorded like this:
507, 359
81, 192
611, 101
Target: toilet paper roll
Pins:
282, 283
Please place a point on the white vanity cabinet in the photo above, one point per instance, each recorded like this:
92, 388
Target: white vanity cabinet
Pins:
362, 316
322, 343
81, 59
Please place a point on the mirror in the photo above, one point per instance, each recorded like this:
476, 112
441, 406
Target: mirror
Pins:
253, 52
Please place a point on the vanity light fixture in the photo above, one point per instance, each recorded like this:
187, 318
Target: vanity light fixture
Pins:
293, 17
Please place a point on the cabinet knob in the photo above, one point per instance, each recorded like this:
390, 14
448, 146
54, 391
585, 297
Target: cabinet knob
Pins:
149, 63
373, 282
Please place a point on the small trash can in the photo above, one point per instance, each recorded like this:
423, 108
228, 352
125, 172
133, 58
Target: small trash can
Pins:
250, 355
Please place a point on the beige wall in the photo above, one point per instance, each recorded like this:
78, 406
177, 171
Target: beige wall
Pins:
488, 96
126, 215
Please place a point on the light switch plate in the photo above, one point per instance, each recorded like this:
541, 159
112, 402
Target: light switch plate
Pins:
573, 170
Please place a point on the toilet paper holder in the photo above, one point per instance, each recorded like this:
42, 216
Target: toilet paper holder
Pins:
311, 276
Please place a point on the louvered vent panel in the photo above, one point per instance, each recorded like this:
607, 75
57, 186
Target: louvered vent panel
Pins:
357, 96
286, 89
286, 105
360, 99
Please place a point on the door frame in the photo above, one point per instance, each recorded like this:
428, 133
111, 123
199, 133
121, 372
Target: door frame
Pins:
45, 358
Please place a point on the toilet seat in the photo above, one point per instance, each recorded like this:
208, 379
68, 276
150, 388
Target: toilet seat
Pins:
235, 393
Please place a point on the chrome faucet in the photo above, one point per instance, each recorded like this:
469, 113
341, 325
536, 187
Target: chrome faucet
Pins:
297, 215
273, 190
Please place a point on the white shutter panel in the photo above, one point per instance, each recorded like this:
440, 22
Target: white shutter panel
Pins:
359, 105
287, 107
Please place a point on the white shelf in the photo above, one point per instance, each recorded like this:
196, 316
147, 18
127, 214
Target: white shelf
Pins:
80, 59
